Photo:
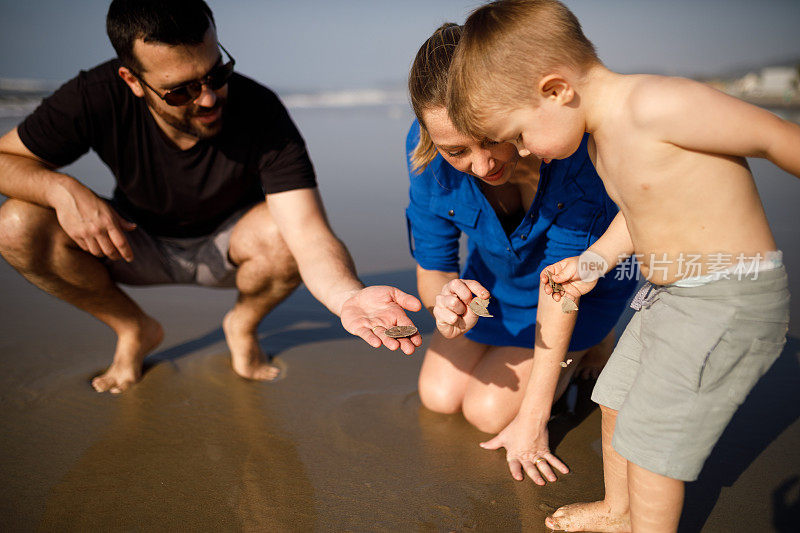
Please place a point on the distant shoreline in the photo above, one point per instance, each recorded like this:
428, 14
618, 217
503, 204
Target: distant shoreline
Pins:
14, 106
772, 102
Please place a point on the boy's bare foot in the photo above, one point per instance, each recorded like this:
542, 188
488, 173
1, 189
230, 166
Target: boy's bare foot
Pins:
594, 516
247, 358
132, 347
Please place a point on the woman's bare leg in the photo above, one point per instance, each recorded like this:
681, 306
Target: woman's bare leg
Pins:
446, 370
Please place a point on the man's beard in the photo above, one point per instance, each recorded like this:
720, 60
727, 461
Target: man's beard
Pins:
184, 122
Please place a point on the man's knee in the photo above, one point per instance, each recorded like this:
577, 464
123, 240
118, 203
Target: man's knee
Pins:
25, 228
285, 267
279, 263
257, 239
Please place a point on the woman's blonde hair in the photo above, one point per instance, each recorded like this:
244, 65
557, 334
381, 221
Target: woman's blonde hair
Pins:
507, 47
427, 85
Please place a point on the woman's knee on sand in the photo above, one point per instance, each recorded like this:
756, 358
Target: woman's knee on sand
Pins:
446, 370
485, 383
490, 408
485, 407
441, 389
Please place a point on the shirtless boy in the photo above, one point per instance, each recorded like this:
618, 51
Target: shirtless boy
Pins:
671, 154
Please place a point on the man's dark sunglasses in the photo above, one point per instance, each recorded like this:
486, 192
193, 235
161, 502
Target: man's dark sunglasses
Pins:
188, 92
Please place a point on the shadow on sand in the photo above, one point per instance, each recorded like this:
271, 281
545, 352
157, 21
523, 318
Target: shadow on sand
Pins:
772, 406
574, 406
300, 319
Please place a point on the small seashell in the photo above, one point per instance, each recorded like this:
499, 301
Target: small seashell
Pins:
557, 287
398, 332
479, 307
567, 305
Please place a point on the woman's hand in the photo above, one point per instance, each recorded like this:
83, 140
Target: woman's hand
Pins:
527, 447
452, 313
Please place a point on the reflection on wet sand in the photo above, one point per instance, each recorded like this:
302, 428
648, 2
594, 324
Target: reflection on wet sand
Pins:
341, 444
187, 458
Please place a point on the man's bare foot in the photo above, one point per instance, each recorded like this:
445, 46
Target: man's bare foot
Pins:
132, 347
594, 516
247, 358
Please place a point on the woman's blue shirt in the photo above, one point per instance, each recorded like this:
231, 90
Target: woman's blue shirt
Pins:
571, 210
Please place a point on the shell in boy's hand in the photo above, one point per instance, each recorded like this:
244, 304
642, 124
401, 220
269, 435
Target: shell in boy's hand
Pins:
557, 288
568, 306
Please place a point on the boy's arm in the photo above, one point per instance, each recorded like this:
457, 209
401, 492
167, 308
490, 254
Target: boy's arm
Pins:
695, 116
526, 439
578, 275
614, 244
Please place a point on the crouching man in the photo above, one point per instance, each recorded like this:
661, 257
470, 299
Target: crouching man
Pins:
213, 187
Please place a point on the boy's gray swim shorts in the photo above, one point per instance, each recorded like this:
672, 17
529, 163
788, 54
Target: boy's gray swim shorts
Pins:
685, 363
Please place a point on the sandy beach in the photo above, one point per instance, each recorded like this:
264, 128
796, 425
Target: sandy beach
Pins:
341, 441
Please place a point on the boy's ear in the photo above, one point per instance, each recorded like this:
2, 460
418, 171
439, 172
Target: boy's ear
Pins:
132, 81
557, 87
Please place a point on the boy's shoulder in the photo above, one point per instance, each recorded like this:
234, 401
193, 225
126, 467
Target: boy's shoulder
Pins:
653, 98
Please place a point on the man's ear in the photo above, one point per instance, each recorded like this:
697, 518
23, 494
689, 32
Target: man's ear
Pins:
132, 81
557, 87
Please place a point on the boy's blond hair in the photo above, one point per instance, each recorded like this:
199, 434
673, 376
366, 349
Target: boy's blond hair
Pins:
506, 48
427, 86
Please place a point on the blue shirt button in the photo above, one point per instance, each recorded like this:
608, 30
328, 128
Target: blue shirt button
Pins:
451, 213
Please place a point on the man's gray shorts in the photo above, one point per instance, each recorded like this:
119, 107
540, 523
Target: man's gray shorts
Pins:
196, 261
686, 362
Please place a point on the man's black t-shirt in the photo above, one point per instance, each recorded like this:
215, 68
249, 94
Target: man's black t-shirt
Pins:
165, 190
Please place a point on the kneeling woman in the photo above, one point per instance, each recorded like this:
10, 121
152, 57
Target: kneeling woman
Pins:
519, 215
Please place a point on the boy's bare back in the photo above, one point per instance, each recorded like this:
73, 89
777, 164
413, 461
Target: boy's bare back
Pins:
671, 154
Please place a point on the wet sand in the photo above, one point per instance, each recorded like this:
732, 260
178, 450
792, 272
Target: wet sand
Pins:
341, 442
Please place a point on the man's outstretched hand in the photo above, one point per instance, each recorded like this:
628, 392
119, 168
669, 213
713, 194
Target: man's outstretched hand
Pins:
373, 310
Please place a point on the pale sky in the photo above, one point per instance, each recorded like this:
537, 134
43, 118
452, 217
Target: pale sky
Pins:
305, 44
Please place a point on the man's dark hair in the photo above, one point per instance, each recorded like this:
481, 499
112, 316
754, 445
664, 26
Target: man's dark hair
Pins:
164, 21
